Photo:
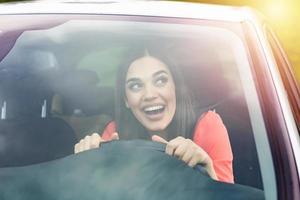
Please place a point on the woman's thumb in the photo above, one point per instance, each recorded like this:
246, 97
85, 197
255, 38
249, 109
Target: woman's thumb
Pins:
156, 138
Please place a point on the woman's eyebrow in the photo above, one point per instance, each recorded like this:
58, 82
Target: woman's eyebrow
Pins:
132, 80
160, 72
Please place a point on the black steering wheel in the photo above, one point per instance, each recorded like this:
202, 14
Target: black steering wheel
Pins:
127, 170
147, 145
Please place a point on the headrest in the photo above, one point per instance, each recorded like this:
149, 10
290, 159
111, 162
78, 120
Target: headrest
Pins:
78, 94
23, 95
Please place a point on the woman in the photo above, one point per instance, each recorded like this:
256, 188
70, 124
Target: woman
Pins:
152, 102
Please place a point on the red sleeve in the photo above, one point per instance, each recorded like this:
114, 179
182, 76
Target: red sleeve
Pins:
211, 135
109, 130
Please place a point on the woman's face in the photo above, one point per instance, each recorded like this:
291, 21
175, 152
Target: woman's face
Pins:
150, 93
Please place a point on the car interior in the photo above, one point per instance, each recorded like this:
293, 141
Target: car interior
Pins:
48, 105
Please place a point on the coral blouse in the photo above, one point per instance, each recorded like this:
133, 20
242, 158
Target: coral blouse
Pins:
211, 135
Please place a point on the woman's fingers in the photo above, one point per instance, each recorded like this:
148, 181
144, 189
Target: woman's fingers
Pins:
181, 149
76, 148
189, 152
95, 140
81, 145
184, 149
193, 162
170, 145
188, 155
89, 142
199, 158
92, 142
173, 145
156, 138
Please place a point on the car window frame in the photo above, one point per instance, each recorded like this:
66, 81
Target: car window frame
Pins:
289, 80
278, 133
258, 81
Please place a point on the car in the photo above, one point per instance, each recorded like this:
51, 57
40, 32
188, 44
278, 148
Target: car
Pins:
58, 63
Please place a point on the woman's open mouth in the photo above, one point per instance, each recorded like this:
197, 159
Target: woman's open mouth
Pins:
154, 112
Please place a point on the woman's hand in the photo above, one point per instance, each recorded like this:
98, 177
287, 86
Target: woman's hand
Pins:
189, 152
92, 141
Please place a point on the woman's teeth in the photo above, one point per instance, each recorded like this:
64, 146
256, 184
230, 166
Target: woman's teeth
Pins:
154, 109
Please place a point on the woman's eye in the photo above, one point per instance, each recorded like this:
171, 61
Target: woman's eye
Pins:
161, 81
135, 86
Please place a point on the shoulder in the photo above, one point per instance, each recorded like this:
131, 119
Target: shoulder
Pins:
210, 118
211, 135
111, 125
110, 128
209, 127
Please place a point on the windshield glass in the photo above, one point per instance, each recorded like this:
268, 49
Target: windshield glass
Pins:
65, 79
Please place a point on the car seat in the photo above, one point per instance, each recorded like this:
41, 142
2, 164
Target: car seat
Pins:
26, 141
28, 134
84, 105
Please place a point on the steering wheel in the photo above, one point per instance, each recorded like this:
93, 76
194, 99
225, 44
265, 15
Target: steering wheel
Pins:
127, 170
148, 145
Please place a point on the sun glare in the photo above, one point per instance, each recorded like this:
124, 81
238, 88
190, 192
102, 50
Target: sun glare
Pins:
277, 10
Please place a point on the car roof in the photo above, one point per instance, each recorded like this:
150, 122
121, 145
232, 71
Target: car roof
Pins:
138, 8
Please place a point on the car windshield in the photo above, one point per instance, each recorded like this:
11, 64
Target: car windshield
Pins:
58, 79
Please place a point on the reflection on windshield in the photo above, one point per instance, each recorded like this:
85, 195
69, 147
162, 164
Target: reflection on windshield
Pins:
160, 82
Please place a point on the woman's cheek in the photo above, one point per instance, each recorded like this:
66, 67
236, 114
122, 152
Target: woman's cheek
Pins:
133, 99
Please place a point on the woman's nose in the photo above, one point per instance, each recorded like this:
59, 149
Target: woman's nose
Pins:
150, 93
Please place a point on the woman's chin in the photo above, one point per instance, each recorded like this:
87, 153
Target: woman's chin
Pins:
157, 128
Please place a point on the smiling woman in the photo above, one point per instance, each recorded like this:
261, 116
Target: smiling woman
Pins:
150, 93
159, 83
150, 86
